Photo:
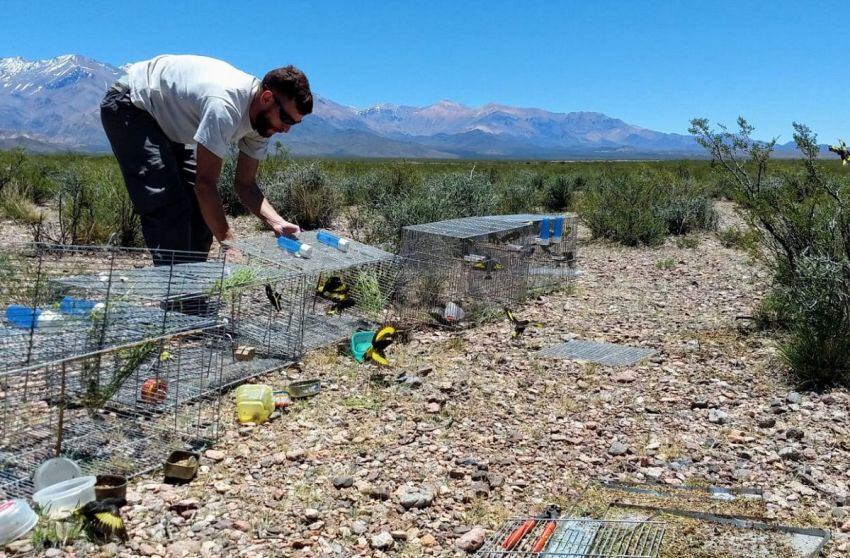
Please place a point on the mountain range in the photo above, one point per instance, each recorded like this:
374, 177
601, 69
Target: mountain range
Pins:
52, 105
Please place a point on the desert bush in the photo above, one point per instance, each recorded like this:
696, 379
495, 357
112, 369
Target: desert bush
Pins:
685, 207
521, 193
621, 208
745, 239
803, 220
305, 194
560, 191
23, 185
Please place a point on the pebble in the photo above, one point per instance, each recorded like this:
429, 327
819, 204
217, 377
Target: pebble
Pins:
215, 455
767, 422
618, 448
382, 541
472, 540
343, 482
716, 416
789, 453
427, 540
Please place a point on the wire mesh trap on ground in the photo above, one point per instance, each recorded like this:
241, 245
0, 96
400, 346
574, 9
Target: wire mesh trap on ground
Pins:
60, 302
116, 411
341, 291
574, 538
608, 354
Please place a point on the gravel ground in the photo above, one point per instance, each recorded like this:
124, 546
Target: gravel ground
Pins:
468, 427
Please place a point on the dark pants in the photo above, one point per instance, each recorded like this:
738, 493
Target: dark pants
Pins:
160, 179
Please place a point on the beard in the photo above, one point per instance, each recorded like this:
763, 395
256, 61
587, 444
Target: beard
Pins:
263, 126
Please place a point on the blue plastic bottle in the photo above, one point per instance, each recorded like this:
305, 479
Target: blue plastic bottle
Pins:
24, 317
294, 246
543, 239
559, 229
76, 306
332, 240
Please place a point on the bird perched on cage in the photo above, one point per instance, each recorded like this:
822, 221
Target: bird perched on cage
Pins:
382, 339
842, 151
274, 297
102, 520
519, 325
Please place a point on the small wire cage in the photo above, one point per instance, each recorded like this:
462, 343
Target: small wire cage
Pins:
577, 538
60, 302
363, 279
118, 411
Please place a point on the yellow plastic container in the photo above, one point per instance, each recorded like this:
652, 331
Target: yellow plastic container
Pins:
254, 403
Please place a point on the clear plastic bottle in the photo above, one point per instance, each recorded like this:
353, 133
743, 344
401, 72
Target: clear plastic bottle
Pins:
294, 246
333, 240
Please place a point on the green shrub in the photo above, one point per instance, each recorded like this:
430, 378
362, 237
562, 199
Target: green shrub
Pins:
304, 194
803, 220
745, 239
522, 194
686, 208
621, 208
560, 191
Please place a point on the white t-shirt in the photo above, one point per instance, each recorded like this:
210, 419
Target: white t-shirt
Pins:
196, 99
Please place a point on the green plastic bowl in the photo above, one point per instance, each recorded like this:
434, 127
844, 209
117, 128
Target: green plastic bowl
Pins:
361, 341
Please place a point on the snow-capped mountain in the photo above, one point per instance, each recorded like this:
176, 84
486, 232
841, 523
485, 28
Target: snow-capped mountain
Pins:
55, 103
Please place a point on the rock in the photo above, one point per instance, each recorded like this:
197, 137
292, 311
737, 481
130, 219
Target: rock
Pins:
472, 540
215, 455
359, 527
789, 453
794, 398
716, 416
399, 535
343, 482
618, 448
767, 422
700, 402
457, 473
379, 493
794, 434
654, 473
432, 408
311, 514
411, 498
427, 540
146, 550
296, 455
845, 527
494, 480
480, 489
53, 553
624, 377
382, 541
184, 549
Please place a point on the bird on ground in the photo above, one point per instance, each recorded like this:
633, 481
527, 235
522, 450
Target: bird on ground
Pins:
102, 519
382, 339
519, 325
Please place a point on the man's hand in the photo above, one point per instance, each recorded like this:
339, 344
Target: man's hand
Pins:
282, 227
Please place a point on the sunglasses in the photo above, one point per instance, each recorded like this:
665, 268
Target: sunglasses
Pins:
284, 116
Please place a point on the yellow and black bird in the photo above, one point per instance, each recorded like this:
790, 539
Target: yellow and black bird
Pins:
382, 339
274, 297
842, 151
519, 325
489, 264
335, 290
102, 520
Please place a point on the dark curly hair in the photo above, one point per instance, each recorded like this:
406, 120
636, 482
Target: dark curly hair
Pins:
291, 82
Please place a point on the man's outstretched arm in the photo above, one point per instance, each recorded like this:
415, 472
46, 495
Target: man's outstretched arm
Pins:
253, 198
206, 190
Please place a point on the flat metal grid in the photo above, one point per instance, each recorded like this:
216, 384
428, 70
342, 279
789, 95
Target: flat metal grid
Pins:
469, 228
727, 536
580, 538
608, 354
324, 259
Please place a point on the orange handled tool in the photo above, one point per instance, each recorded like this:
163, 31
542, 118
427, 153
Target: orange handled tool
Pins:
544, 537
521, 531
552, 512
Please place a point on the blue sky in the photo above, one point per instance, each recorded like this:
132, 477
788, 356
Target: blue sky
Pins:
651, 63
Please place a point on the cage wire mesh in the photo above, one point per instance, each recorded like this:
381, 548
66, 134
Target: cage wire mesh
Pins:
343, 291
61, 302
117, 411
577, 538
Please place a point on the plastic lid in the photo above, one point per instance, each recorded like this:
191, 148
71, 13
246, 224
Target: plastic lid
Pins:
305, 251
16, 520
343, 244
54, 471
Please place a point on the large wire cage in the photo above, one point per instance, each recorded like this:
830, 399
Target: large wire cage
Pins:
60, 302
119, 411
344, 291
552, 251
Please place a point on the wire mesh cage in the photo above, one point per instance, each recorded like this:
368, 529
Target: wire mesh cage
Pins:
575, 538
552, 257
460, 290
60, 302
119, 411
343, 290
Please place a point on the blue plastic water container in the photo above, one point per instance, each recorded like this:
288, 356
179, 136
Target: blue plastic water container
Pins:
559, 229
294, 246
332, 240
543, 238
24, 317
76, 306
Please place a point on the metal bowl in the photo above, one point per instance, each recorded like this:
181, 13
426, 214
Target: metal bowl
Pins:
304, 388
